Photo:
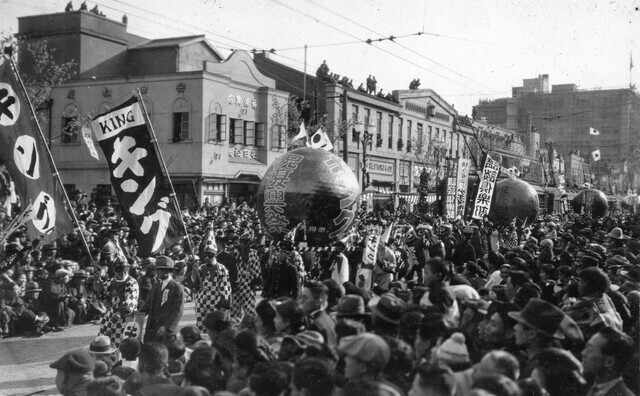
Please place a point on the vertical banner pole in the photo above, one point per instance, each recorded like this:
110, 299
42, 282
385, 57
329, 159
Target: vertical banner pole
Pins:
50, 159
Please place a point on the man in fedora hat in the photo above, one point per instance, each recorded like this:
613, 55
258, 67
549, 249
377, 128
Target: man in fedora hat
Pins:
539, 323
123, 295
166, 303
74, 372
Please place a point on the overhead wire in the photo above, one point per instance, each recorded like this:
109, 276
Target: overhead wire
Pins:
401, 45
377, 47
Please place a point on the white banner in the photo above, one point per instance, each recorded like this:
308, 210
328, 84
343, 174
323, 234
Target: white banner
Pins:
86, 134
371, 249
487, 185
463, 179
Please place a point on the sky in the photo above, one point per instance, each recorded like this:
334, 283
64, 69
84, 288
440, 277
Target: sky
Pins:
465, 50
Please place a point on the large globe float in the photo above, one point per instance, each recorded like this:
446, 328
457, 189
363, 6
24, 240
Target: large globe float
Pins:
312, 186
513, 199
591, 202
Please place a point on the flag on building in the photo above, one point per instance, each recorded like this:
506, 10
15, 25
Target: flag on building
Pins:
137, 177
596, 155
86, 135
320, 140
28, 160
302, 134
593, 131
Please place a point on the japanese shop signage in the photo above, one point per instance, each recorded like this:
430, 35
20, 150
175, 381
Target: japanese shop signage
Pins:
137, 177
380, 167
239, 151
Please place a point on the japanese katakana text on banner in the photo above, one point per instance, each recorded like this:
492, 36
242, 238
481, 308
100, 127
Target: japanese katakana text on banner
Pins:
143, 191
461, 194
452, 188
487, 185
26, 157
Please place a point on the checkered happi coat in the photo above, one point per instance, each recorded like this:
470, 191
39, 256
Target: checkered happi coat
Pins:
215, 291
124, 301
244, 299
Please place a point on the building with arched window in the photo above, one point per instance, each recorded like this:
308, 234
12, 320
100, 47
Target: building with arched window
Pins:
213, 117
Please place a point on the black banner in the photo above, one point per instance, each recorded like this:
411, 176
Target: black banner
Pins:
144, 192
26, 156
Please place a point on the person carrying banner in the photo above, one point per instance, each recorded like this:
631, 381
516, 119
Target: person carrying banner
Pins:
212, 285
244, 299
123, 294
166, 304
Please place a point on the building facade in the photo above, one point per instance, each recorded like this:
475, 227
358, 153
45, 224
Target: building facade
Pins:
213, 117
564, 114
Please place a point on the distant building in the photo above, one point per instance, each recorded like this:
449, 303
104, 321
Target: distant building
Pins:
212, 116
564, 115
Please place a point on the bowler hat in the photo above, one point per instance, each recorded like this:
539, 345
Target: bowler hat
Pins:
389, 308
101, 345
32, 287
164, 262
350, 305
79, 361
541, 316
366, 347
616, 233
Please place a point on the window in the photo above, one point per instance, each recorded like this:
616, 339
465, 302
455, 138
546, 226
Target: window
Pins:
409, 126
278, 135
260, 134
180, 126
390, 131
218, 127
249, 133
379, 128
354, 113
236, 132
367, 119
69, 130
181, 120
400, 126
69, 127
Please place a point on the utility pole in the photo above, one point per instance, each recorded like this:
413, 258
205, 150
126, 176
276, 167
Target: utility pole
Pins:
345, 109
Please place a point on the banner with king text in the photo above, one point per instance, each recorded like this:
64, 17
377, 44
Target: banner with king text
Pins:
144, 192
487, 185
24, 153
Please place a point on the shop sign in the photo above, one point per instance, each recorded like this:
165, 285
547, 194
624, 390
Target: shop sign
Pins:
383, 168
240, 101
240, 151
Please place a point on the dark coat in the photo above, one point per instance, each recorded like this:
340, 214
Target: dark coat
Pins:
282, 281
167, 314
325, 325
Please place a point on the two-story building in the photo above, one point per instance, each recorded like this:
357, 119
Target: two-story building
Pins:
212, 116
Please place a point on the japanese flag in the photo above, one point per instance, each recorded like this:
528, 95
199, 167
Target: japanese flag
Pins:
596, 155
593, 131
320, 140
302, 134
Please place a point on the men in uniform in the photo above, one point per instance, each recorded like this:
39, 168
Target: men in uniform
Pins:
213, 286
78, 296
123, 294
244, 299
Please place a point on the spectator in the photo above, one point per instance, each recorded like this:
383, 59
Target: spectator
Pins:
74, 372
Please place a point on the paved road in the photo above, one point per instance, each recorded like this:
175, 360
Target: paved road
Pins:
24, 362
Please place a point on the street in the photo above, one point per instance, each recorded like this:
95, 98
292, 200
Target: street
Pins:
24, 362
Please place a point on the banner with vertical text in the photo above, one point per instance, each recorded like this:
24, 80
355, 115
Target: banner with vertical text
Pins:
482, 204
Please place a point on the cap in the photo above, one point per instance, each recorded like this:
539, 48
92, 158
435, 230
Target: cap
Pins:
367, 347
454, 350
80, 361
62, 272
164, 262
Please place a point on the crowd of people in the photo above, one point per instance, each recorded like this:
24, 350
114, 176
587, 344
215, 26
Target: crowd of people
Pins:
445, 308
